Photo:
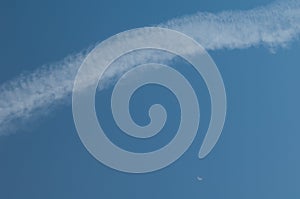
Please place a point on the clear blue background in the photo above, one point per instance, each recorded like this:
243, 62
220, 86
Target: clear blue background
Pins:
257, 155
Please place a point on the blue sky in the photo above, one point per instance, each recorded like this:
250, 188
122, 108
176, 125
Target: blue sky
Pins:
256, 156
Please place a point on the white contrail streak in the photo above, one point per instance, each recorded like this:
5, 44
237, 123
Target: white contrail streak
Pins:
25, 94
274, 25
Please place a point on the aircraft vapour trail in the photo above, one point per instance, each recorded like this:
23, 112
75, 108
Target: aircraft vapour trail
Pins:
274, 25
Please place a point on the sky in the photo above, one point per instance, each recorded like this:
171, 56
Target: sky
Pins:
41, 155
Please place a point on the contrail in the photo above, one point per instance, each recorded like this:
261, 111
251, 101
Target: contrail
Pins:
273, 26
21, 97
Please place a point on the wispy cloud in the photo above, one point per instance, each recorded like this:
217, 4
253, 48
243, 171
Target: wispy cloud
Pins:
274, 26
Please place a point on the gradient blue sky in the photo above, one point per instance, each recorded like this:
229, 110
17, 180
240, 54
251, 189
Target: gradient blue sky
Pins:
257, 155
